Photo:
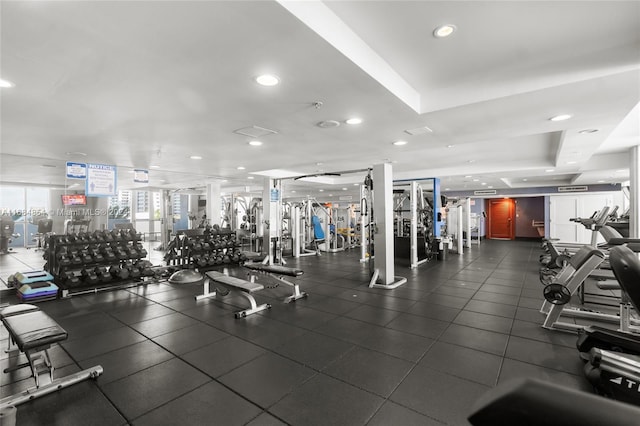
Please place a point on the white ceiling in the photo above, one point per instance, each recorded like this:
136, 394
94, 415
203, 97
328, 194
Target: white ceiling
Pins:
140, 83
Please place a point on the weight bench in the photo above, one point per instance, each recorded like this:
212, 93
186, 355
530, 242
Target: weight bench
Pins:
277, 273
33, 332
224, 284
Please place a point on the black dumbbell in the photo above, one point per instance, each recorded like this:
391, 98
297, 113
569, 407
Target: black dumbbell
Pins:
118, 272
69, 279
89, 276
103, 274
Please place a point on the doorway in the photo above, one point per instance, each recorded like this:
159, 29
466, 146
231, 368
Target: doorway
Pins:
501, 219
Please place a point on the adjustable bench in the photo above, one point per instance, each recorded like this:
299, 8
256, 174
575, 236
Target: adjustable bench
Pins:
33, 332
224, 284
277, 273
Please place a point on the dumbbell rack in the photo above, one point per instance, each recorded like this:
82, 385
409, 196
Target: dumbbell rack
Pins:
204, 251
85, 262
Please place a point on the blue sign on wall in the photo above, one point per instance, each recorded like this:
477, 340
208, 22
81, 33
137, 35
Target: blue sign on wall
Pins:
76, 170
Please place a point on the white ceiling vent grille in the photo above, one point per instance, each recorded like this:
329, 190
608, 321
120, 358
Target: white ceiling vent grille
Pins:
485, 192
580, 188
419, 131
255, 131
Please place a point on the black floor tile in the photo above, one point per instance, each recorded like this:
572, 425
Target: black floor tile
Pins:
449, 401
445, 300
314, 350
128, 360
146, 312
267, 379
80, 404
484, 321
476, 366
532, 330
372, 314
266, 419
507, 299
163, 324
89, 347
327, 401
555, 357
393, 414
482, 340
370, 370
491, 308
512, 369
189, 338
419, 325
501, 289
148, 389
223, 356
211, 403
397, 343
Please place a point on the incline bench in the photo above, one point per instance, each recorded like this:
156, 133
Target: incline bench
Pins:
33, 332
277, 273
225, 284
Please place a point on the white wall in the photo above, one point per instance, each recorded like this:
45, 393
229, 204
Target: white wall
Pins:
564, 207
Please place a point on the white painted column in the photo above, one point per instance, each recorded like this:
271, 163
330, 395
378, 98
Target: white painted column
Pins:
271, 200
467, 226
213, 203
384, 255
634, 192
414, 225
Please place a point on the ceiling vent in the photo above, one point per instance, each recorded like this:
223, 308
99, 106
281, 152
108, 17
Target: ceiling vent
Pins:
581, 188
485, 192
328, 124
255, 131
419, 131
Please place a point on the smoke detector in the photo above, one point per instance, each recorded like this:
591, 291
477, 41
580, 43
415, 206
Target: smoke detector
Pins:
328, 124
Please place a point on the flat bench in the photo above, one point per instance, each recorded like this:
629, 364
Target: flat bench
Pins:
277, 273
33, 332
224, 284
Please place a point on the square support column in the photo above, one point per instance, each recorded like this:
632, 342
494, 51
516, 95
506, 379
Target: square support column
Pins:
384, 255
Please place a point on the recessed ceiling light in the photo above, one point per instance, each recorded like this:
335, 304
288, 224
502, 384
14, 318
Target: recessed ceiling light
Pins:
255, 143
450, 146
601, 181
472, 161
196, 157
549, 170
400, 143
447, 189
468, 176
250, 177
78, 153
354, 120
560, 117
154, 167
483, 183
525, 179
571, 162
344, 189
490, 187
162, 180
267, 80
621, 171
476, 180
444, 31
6, 84
240, 168
321, 190
356, 184
293, 191
318, 164
587, 131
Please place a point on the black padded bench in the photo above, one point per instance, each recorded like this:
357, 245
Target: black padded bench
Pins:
33, 332
277, 273
224, 284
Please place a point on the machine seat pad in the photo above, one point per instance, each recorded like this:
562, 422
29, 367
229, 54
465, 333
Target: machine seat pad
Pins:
237, 283
17, 310
275, 269
33, 329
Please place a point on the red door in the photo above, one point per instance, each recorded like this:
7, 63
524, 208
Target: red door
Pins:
501, 223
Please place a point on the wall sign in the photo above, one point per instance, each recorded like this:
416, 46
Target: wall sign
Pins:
101, 180
76, 170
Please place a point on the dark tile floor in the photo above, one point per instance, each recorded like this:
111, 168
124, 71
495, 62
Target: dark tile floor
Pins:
347, 355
